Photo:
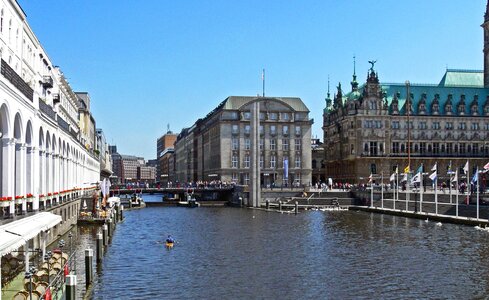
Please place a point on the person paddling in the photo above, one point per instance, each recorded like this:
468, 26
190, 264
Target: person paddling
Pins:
170, 239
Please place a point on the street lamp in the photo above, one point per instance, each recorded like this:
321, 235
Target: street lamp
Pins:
47, 258
61, 245
28, 275
70, 235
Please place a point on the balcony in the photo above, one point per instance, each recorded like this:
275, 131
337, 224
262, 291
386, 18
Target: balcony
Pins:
63, 124
47, 110
56, 98
47, 81
16, 80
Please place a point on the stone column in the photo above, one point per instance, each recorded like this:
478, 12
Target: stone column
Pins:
47, 173
8, 170
32, 172
20, 173
255, 155
41, 175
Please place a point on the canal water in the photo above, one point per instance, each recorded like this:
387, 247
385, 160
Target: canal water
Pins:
233, 253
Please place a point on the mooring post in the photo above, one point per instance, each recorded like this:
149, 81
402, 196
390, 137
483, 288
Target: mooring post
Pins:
100, 247
109, 227
122, 210
268, 204
105, 237
280, 205
70, 282
296, 207
88, 266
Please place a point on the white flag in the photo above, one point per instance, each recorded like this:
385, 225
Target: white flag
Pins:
455, 178
434, 167
393, 177
416, 178
466, 168
433, 176
404, 178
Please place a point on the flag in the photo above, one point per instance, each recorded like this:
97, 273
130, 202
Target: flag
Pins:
404, 178
455, 178
476, 176
486, 167
286, 168
370, 178
434, 167
407, 169
393, 177
433, 176
466, 167
420, 169
397, 171
416, 178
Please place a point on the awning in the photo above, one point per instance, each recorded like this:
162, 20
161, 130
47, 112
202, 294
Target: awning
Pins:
25, 229
9, 242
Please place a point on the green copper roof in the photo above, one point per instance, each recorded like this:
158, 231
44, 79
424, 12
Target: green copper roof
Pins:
459, 78
236, 102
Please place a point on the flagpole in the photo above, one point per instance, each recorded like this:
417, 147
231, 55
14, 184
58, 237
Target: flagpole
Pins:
382, 189
372, 191
436, 195
407, 192
450, 181
456, 195
396, 192
477, 178
263, 79
421, 190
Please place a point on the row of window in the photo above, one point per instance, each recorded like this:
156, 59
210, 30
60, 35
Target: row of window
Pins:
436, 125
272, 129
436, 148
272, 163
272, 144
296, 178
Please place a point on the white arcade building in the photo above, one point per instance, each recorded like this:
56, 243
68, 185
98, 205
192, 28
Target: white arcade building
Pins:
42, 158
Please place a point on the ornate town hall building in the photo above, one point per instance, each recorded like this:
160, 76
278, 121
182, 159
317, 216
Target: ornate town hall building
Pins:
376, 127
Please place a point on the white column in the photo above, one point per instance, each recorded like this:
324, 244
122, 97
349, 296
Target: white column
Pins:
32, 171
8, 170
20, 172
47, 175
41, 187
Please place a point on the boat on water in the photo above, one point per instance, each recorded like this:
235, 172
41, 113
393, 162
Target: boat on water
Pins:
191, 201
169, 245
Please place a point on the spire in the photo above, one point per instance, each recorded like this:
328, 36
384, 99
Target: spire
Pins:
328, 98
354, 83
486, 15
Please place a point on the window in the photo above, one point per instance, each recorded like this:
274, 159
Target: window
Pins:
297, 130
285, 144
247, 161
436, 125
436, 148
262, 142
297, 161
246, 178
234, 129
247, 129
273, 161
273, 129
285, 116
273, 144
262, 159
247, 144
373, 148
395, 124
234, 177
449, 148
234, 161
262, 116
297, 144
273, 116
474, 126
285, 130
449, 125
475, 149
247, 115
395, 147
462, 148
262, 130
462, 126
422, 125
422, 148
235, 144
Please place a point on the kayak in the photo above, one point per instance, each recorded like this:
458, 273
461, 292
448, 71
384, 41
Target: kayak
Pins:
169, 245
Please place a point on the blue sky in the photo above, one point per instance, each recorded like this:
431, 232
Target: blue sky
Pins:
150, 63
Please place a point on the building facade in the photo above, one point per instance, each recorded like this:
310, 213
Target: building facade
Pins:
218, 147
43, 158
377, 127
163, 145
102, 150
